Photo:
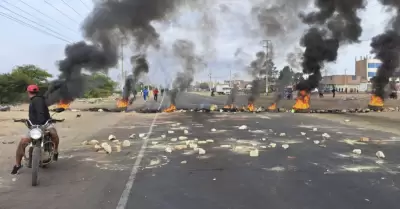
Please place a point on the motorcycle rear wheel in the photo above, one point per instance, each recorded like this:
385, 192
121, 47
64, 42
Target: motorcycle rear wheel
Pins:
36, 156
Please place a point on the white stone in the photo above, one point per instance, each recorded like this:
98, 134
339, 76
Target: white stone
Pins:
210, 141
116, 148
315, 129
193, 146
111, 137
154, 143
380, 154
182, 138
242, 127
142, 135
316, 142
132, 136
302, 133
263, 147
183, 162
202, 142
202, 151
285, 146
171, 132
126, 143
282, 134
357, 151
100, 110
93, 142
270, 130
168, 149
221, 110
308, 138
97, 147
264, 139
85, 142
163, 136
325, 135
272, 145
106, 147
254, 153
196, 139
347, 120
213, 130
174, 139
225, 146
185, 131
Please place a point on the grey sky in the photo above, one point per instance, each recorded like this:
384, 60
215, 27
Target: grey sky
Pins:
23, 45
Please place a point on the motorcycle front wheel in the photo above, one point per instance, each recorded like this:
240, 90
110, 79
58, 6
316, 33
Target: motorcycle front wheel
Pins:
36, 155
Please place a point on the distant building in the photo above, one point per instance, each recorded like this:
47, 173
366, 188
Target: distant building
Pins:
341, 82
367, 67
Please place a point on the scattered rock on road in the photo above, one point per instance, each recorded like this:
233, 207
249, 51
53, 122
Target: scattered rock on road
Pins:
163, 136
242, 127
168, 149
325, 135
171, 132
213, 130
315, 129
111, 137
316, 141
302, 133
357, 151
364, 139
132, 136
282, 134
182, 138
106, 147
142, 135
380, 154
285, 146
254, 153
272, 145
202, 151
126, 143
93, 142
210, 141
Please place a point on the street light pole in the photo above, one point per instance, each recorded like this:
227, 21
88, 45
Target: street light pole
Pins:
266, 45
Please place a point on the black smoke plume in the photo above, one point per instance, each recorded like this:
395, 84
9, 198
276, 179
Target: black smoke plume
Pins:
257, 69
140, 67
335, 23
386, 47
103, 28
184, 50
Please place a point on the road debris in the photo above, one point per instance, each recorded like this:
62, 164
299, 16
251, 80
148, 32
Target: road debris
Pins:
174, 139
263, 147
357, 151
168, 149
285, 146
154, 143
316, 141
163, 136
315, 129
272, 145
132, 136
171, 132
185, 131
183, 162
225, 146
85, 142
111, 137
325, 135
142, 135
213, 130
302, 133
380, 154
210, 141
364, 139
202, 151
97, 147
126, 143
193, 146
347, 120
282, 134
264, 139
180, 147
182, 138
202, 142
116, 148
254, 153
242, 127
93, 142
106, 147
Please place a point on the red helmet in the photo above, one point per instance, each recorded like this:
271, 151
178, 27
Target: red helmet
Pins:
32, 88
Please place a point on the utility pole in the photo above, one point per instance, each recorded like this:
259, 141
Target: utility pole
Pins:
266, 45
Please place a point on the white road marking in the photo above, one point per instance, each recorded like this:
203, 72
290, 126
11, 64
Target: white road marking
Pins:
123, 200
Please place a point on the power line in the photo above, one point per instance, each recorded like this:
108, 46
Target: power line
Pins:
31, 26
72, 8
61, 12
39, 19
44, 14
84, 4
34, 22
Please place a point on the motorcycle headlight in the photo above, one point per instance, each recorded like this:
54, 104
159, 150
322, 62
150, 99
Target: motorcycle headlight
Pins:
35, 133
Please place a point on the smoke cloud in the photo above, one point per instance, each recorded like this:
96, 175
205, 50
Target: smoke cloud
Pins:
103, 28
257, 69
185, 51
335, 23
140, 67
386, 47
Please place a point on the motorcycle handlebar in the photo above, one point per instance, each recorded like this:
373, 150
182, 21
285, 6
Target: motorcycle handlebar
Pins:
49, 121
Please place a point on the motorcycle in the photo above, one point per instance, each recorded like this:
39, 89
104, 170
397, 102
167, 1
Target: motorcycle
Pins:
41, 147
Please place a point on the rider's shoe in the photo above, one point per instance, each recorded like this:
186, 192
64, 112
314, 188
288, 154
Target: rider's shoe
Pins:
55, 156
15, 169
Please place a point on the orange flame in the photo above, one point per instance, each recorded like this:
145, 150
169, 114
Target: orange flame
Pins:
171, 108
272, 107
63, 104
250, 107
302, 101
229, 106
376, 101
122, 103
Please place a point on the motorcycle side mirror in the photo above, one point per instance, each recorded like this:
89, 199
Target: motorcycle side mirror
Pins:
58, 110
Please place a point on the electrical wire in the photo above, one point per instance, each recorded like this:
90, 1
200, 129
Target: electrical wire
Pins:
84, 4
72, 8
34, 22
32, 26
44, 14
39, 19
61, 12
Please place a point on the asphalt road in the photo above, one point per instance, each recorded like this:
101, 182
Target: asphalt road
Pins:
304, 176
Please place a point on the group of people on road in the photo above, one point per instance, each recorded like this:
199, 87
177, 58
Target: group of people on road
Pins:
145, 93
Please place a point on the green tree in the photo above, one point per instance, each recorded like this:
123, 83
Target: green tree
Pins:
204, 86
99, 85
286, 74
32, 73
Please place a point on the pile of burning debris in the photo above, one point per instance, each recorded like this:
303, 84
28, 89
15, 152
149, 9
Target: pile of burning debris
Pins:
302, 105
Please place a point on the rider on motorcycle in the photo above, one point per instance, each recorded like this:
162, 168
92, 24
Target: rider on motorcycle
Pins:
38, 115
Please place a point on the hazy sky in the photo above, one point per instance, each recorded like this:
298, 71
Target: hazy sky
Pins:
24, 45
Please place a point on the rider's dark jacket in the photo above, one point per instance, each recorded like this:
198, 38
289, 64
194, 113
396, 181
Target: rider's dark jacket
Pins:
38, 110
